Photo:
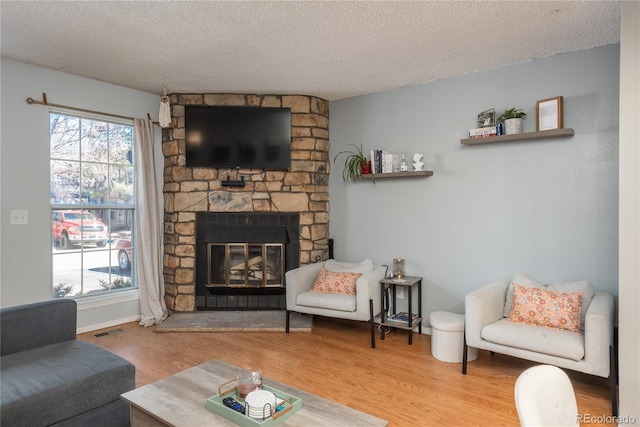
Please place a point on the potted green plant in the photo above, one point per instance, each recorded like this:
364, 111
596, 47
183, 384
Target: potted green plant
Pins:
355, 163
512, 119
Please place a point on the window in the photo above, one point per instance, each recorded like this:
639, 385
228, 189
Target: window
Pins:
92, 205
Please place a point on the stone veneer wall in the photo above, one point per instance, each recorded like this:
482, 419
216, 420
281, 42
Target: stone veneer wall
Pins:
303, 189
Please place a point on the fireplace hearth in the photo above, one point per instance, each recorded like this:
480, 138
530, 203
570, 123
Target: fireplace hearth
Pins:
241, 259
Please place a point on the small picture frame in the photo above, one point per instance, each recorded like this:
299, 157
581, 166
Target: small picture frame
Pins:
487, 118
549, 112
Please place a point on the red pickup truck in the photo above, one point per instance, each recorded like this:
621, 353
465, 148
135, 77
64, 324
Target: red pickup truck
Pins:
78, 227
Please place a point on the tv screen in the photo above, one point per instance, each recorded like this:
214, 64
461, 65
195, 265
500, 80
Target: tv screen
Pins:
246, 137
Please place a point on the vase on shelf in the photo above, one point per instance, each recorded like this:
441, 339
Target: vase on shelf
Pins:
404, 165
513, 126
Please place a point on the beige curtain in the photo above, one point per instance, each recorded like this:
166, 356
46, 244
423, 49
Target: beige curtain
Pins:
148, 254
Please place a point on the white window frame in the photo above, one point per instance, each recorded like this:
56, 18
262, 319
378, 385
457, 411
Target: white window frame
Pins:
86, 301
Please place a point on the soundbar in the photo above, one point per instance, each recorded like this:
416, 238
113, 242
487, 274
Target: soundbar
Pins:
232, 183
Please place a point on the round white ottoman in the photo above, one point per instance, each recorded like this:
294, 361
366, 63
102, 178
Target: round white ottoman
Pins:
447, 337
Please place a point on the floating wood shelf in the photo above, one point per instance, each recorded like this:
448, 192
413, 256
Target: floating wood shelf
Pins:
528, 136
397, 174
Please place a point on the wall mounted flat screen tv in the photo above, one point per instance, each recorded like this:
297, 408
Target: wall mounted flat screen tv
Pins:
230, 137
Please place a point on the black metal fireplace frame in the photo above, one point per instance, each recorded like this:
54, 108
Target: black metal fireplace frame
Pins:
211, 226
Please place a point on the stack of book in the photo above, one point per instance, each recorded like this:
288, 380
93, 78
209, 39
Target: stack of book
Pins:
384, 162
482, 132
402, 317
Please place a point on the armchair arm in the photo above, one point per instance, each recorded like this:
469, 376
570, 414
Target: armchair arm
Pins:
598, 331
482, 307
28, 326
300, 280
368, 287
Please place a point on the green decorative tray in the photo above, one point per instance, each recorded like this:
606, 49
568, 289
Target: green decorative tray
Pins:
290, 406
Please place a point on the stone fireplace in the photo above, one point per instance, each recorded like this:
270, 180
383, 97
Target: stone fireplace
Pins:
276, 212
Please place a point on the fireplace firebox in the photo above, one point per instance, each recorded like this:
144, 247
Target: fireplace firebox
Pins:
245, 264
241, 259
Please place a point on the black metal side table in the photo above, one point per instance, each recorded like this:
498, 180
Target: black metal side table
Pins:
384, 320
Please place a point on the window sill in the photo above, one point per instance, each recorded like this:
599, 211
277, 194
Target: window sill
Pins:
89, 302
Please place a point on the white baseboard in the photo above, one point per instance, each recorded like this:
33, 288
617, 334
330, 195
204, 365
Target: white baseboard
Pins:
108, 324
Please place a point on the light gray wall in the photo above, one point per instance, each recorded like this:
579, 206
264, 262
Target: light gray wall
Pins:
548, 208
24, 175
629, 317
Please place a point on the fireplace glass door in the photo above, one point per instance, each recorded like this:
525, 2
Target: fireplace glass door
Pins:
246, 264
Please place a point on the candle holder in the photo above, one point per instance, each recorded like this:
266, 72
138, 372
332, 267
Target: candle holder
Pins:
398, 267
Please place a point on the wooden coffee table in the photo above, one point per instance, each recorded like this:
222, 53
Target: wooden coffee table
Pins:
180, 400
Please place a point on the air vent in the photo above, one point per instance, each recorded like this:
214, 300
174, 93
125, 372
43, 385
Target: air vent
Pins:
111, 332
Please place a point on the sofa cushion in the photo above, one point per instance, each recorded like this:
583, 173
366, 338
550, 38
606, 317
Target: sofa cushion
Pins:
335, 283
522, 279
546, 308
49, 384
364, 266
327, 301
554, 342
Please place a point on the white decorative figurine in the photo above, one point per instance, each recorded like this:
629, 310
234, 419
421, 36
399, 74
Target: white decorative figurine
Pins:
417, 164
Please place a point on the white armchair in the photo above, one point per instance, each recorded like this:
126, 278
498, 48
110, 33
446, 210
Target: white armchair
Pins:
360, 306
590, 351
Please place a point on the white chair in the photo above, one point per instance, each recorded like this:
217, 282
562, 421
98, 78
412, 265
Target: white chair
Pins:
592, 351
544, 397
361, 306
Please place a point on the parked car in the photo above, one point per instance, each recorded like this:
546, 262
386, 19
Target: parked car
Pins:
78, 227
124, 254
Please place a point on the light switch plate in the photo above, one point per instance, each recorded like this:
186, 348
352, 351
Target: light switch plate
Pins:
19, 217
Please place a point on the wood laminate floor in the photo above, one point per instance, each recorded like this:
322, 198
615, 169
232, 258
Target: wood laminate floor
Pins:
403, 384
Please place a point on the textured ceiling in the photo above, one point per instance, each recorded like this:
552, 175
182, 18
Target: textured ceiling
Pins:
329, 49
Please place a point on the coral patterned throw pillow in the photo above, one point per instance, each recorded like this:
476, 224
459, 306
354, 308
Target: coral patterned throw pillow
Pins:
335, 283
548, 308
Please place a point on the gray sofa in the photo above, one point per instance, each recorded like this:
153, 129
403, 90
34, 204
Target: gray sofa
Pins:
50, 378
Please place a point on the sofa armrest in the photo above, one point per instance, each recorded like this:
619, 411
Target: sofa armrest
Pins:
300, 280
483, 307
368, 287
28, 326
598, 330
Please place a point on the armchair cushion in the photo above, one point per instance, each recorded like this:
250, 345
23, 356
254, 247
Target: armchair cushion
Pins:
547, 308
335, 283
554, 342
327, 301
349, 267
